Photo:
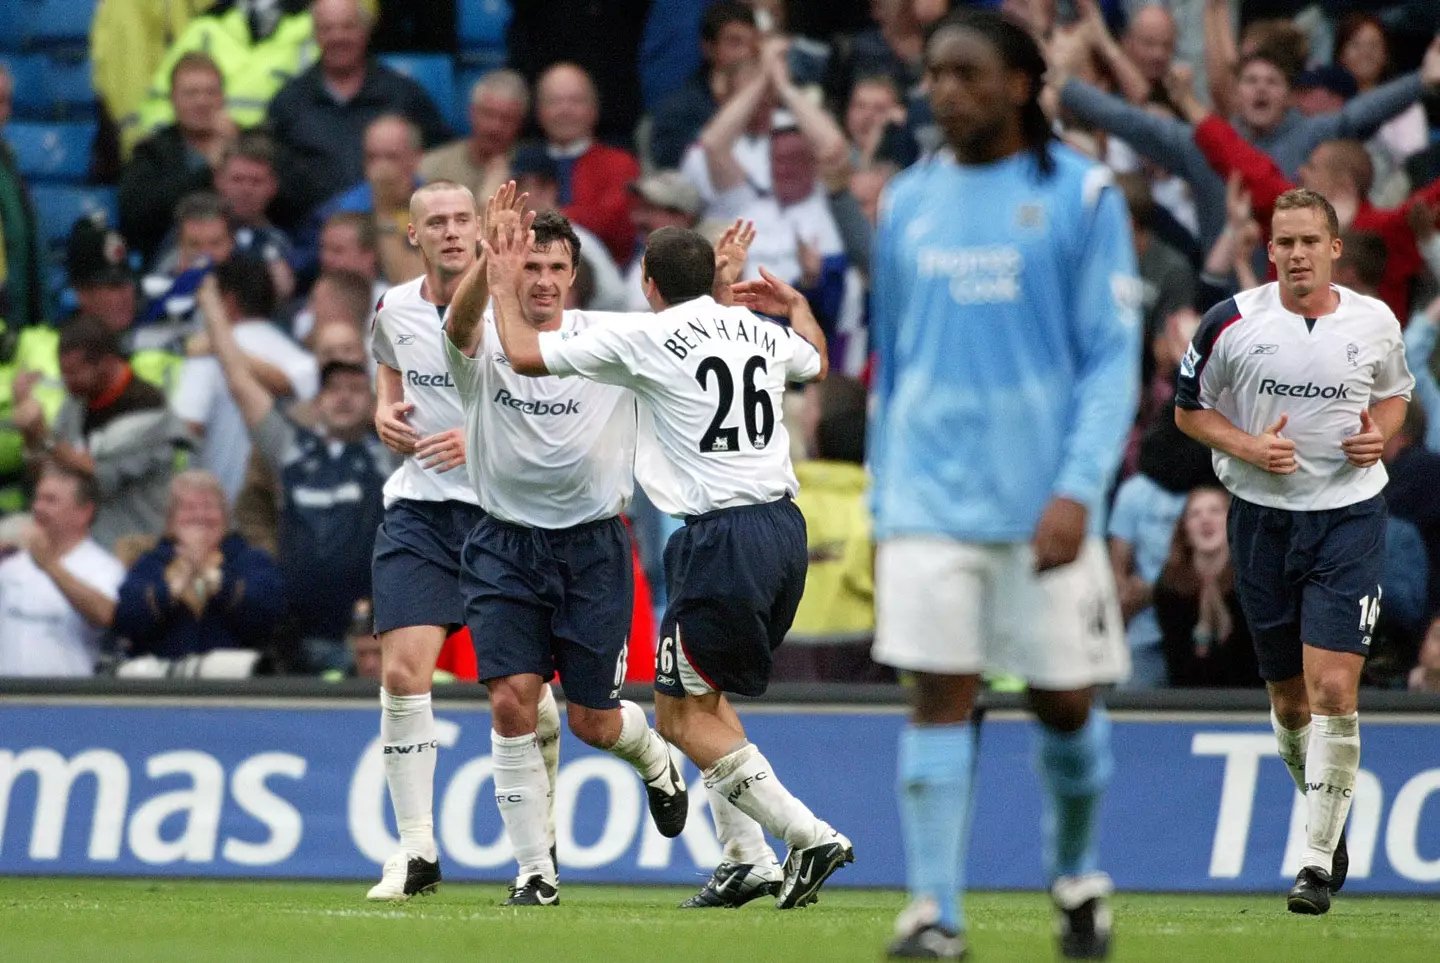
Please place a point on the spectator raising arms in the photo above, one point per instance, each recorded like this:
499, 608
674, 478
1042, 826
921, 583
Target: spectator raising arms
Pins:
199, 589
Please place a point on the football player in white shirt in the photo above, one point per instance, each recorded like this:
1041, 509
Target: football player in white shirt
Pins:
547, 571
429, 510
711, 449
1297, 385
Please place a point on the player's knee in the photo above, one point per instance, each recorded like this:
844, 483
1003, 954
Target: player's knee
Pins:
595, 727
1062, 711
942, 699
402, 677
509, 712
1333, 694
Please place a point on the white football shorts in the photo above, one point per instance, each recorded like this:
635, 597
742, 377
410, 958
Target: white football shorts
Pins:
964, 608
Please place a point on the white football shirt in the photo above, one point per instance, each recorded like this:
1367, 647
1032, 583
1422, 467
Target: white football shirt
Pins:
710, 380
1252, 360
544, 452
41, 633
409, 336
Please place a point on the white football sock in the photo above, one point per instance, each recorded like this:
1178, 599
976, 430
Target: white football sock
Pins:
547, 733
640, 745
520, 793
745, 779
407, 733
1293, 745
742, 837
1330, 767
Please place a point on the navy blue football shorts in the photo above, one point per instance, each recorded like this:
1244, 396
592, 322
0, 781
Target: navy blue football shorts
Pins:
1307, 578
416, 567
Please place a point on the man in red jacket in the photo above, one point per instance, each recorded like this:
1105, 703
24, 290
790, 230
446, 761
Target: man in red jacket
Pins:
593, 177
1340, 170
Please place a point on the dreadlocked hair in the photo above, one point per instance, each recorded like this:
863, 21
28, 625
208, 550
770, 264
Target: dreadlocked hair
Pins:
1019, 51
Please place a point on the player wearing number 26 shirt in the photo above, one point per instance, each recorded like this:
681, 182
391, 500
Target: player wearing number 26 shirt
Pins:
1297, 385
710, 449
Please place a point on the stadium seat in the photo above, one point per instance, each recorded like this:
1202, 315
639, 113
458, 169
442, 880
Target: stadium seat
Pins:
54, 22
434, 72
482, 23
52, 152
32, 101
70, 87
10, 16
57, 208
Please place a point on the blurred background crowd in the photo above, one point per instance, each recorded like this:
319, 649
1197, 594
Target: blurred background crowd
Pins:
152, 525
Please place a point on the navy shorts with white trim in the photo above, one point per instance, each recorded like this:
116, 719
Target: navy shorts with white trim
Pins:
416, 566
1307, 578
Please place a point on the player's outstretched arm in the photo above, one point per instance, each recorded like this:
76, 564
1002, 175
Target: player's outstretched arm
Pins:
463, 321
770, 295
1267, 451
250, 395
505, 260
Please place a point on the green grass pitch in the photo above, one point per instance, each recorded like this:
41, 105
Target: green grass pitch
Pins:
114, 921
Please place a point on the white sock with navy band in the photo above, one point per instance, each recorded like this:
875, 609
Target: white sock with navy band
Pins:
746, 779
1331, 763
407, 733
521, 793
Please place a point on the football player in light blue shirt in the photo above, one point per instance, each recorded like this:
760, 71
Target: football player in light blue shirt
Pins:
1007, 336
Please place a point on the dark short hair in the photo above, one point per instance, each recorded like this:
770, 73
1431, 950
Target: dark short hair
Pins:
1299, 198
334, 368
87, 488
254, 145
362, 224
552, 226
201, 206
1364, 252
354, 290
717, 15
90, 336
681, 263
1276, 56
248, 281
196, 60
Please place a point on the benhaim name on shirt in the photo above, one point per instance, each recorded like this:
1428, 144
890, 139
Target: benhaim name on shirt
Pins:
692, 334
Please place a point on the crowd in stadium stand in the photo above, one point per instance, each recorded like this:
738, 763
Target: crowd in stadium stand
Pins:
159, 516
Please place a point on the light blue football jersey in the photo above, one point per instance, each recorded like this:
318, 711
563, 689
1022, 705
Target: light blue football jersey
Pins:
1005, 320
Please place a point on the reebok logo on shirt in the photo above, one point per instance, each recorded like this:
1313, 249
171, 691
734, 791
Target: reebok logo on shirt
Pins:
421, 380
507, 400
1269, 386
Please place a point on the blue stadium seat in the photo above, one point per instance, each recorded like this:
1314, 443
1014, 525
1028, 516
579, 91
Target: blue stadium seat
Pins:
434, 72
28, 73
10, 16
54, 22
482, 23
70, 87
57, 208
52, 152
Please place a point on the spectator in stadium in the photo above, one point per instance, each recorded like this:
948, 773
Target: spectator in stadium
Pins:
1323, 90
393, 151
1141, 529
97, 267
22, 291
1149, 44
1167, 280
499, 103
728, 36
203, 401
835, 624
248, 180
1425, 677
1362, 50
179, 158
747, 104
874, 103
893, 48
592, 176
1410, 494
320, 115
538, 174
331, 476
1205, 638
661, 198
1284, 42
57, 597
199, 589
1340, 170
257, 45
112, 425
1420, 357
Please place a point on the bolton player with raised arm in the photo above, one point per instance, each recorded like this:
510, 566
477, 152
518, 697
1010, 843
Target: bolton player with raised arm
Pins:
713, 451
1297, 385
546, 573
429, 510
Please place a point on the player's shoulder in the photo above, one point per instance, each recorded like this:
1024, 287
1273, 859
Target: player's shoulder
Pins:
1078, 176
401, 296
1370, 309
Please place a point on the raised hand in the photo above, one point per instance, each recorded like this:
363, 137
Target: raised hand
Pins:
504, 208
731, 251
442, 451
1271, 452
394, 430
505, 254
768, 295
1364, 449
1180, 87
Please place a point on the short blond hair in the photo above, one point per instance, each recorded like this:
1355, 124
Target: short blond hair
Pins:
438, 187
1300, 198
